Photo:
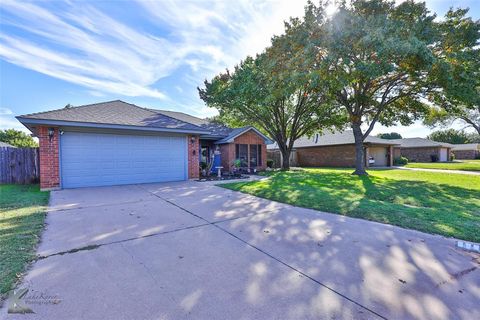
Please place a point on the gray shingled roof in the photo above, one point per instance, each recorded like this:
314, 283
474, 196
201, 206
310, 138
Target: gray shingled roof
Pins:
215, 129
114, 112
331, 139
466, 146
420, 143
6, 145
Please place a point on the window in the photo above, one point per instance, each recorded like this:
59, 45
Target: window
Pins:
253, 155
259, 155
241, 152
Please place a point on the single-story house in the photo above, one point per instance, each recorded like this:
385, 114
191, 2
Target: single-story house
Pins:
336, 150
422, 150
115, 142
466, 151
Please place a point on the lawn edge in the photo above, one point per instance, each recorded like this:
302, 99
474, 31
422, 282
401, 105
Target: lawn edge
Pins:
349, 217
28, 265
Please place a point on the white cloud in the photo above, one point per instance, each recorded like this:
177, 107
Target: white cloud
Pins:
79, 43
8, 121
5, 111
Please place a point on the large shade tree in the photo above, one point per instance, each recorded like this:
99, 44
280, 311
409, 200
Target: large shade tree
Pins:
377, 59
449, 136
459, 97
274, 91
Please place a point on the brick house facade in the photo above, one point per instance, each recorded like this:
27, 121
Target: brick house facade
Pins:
420, 154
249, 138
466, 154
49, 158
467, 151
193, 143
340, 156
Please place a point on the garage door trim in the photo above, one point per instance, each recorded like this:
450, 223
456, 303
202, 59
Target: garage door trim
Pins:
61, 156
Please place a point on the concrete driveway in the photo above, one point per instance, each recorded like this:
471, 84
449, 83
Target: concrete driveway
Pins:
196, 251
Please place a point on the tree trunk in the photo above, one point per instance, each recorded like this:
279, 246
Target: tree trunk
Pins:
285, 158
359, 154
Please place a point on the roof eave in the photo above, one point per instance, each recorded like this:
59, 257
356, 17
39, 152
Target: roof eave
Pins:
28, 122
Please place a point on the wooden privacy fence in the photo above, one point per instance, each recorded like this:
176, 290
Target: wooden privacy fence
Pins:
19, 165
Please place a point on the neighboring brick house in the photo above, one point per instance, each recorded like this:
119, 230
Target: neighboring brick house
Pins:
466, 151
115, 142
422, 150
336, 150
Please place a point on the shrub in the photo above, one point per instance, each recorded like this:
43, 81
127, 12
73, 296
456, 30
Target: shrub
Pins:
452, 156
434, 158
270, 163
400, 161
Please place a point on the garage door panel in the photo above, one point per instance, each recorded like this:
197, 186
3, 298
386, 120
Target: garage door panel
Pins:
92, 159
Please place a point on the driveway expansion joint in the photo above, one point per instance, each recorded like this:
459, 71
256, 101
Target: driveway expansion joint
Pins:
96, 246
215, 224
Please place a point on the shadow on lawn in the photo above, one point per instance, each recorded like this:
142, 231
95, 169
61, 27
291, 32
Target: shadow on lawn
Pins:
430, 207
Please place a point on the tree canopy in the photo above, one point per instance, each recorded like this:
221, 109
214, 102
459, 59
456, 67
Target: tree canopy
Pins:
391, 135
450, 136
459, 79
275, 92
376, 60
17, 138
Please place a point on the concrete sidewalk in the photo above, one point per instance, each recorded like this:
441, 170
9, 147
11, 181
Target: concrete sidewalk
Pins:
440, 170
192, 250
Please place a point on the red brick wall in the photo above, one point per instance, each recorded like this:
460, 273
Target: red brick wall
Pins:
465, 154
328, 156
49, 162
227, 155
420, 154
193, 157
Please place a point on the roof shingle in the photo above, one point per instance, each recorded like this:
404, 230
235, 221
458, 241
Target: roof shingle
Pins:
115, 112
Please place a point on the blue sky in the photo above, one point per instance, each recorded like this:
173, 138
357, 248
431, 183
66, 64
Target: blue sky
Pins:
151, 53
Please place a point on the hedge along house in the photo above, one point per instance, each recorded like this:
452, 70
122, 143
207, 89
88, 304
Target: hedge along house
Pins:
422, 150
336, 150
115, 142
466, 151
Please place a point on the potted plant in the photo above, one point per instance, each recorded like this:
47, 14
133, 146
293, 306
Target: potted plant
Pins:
236, 166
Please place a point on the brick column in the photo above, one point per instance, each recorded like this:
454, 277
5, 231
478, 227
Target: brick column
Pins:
366, 154
193, 143
390, 160
49, 162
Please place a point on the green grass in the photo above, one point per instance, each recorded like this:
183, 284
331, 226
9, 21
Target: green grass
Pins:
440, 203
464, 165
22, 216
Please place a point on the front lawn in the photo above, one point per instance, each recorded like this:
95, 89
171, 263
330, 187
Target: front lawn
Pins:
464, 165
22, 215
446, 204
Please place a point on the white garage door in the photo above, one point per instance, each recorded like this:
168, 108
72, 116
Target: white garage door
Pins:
443, 154
93, 159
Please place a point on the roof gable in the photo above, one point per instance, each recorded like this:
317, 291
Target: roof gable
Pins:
239, 131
